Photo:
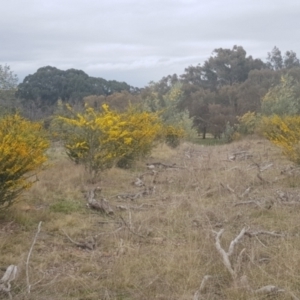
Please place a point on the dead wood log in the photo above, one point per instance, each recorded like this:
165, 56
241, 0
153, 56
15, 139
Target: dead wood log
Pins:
242, 281
247, 203
151, 166
28, 258
102, 205
271, 233
88, 244
146, 191
261, 169
231, 190
129, 228
199, 292
9, 275
242, 155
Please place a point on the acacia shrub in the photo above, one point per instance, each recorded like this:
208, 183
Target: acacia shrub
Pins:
22, 151
101, 139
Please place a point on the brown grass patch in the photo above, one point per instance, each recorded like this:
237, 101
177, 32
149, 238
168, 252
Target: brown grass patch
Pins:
163, 244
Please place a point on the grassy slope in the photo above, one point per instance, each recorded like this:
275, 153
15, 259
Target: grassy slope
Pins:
167, 245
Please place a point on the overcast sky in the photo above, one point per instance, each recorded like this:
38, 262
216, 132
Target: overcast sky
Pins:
138, 41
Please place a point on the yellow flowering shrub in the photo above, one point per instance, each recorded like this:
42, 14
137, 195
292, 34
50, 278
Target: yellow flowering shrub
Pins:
173, 135
22, 151
284, 132
101, 139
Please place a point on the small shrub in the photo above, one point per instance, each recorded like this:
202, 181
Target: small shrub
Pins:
173, 136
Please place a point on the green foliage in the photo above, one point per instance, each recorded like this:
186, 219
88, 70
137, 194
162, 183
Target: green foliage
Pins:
275, 60
178, 122
231, 133
8, 80
49, 84
65, 206
8, 85
22, 152
282, 99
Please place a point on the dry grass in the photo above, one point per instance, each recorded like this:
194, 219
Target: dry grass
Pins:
163, 245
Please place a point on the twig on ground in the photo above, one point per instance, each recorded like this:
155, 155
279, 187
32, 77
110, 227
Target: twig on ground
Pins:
199, 292
89, 244
9, 275
260, 170
242, 155
247, 202
131, 229
231, 190
255, 233
242, 281
269, 289
102, 205
225, 255
28, 257
159, 164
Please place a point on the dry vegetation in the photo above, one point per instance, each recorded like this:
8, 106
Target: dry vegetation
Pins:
218, 222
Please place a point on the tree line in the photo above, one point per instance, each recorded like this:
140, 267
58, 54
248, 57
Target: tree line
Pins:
228, 84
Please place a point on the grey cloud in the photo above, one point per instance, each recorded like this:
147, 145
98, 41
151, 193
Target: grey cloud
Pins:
138, 40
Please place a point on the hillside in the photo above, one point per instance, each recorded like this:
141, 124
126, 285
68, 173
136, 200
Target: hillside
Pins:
164, 237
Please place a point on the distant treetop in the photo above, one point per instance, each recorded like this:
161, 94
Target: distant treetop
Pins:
48, 84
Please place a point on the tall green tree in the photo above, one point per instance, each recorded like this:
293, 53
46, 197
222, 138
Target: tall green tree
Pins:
8, 80
290, 60
274, 59
8, 87
254, 88
167, 106
229, 66
40, 91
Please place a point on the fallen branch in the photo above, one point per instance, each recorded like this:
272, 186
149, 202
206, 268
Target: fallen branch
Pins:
159, 164
242, 155
255, 233
9, 275
102, 205
140, 207
147, 191
231, 190
262, 179
247, 203
89, 244
130, 228
242, 281
28, 257
260, 170
269, 289
225, 255
199, 292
